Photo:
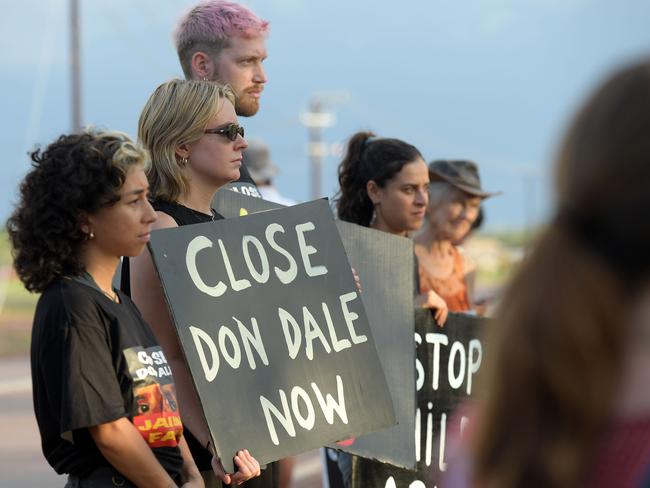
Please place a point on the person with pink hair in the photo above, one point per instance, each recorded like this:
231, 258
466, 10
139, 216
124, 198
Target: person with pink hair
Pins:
220, 40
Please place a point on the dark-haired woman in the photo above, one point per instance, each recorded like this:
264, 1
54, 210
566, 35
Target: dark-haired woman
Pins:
565, 398
384, 185
103, 394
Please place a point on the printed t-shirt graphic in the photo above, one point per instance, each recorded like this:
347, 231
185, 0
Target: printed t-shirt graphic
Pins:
157, 418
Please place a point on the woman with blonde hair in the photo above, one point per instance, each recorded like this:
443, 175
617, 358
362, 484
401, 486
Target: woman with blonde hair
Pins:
565, 399
196, 144
455, 197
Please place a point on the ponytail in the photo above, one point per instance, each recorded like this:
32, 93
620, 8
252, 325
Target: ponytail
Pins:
353, 204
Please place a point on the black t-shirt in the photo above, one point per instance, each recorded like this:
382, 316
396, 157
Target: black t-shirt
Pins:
95, 361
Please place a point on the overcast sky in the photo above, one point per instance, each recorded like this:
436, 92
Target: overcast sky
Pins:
491, 80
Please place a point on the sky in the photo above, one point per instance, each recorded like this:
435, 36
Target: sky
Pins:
495, 81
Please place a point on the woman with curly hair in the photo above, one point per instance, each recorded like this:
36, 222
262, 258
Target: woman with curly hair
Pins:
196, 144
82, 206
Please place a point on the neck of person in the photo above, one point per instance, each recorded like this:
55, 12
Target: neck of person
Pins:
382, 225
101, 267
432, 240
199, 196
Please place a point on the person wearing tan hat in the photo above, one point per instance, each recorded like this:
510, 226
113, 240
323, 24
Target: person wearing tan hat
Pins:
455, 197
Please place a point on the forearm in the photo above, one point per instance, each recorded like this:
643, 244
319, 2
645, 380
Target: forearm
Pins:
188, 400
123, 446
190, 471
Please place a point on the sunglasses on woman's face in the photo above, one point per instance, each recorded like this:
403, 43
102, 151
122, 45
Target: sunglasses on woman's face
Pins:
230, 131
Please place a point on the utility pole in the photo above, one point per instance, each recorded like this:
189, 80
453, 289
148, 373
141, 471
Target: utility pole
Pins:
75, 65
316, 120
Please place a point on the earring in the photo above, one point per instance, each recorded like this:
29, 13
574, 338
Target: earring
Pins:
205, 78
373, 218
183, 161
90, 235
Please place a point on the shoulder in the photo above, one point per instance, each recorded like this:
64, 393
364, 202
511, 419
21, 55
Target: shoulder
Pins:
76, 302
420, 250
164, 221
465, 260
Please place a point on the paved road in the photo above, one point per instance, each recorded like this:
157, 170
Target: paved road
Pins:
22, 464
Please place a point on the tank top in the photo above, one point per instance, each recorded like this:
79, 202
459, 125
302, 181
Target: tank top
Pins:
453, 288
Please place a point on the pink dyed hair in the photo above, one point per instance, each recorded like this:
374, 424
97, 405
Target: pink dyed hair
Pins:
208, 27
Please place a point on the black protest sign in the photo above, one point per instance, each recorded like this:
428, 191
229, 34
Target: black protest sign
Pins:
384, 263
448, 361
244, 185
273, 330
233, 204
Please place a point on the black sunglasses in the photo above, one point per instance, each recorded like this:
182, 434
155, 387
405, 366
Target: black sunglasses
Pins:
230, 131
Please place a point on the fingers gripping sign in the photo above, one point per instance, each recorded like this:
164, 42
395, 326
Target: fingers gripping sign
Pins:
247, 467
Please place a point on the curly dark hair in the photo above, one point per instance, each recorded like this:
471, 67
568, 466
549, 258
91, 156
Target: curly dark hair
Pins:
368, 158
76, 175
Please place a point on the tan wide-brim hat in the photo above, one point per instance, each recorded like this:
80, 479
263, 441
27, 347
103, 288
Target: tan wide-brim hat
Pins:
461, 174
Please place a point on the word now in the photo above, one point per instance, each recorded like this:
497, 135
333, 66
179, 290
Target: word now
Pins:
260, 271
303, 409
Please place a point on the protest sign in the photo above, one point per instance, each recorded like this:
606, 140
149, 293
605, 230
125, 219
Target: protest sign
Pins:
273, 330
448, 360
384, 263
244, 185
231, 204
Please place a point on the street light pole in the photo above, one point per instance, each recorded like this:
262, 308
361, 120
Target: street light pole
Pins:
75, 65
316, 120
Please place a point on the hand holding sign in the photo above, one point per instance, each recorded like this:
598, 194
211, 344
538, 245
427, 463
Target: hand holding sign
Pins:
247, 468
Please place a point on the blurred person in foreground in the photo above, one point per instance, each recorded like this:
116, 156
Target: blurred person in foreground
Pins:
257, 159
455, 197
83, 205
564, 400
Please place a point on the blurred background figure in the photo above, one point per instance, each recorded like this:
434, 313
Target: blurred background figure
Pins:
257, 158
565, 401
476, 225
455, 197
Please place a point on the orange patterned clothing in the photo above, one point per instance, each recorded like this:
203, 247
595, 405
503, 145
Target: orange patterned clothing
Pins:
452, 289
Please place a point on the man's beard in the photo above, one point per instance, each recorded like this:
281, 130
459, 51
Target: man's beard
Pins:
246, 106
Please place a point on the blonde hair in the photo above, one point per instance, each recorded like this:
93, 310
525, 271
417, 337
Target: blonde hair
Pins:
176, 113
